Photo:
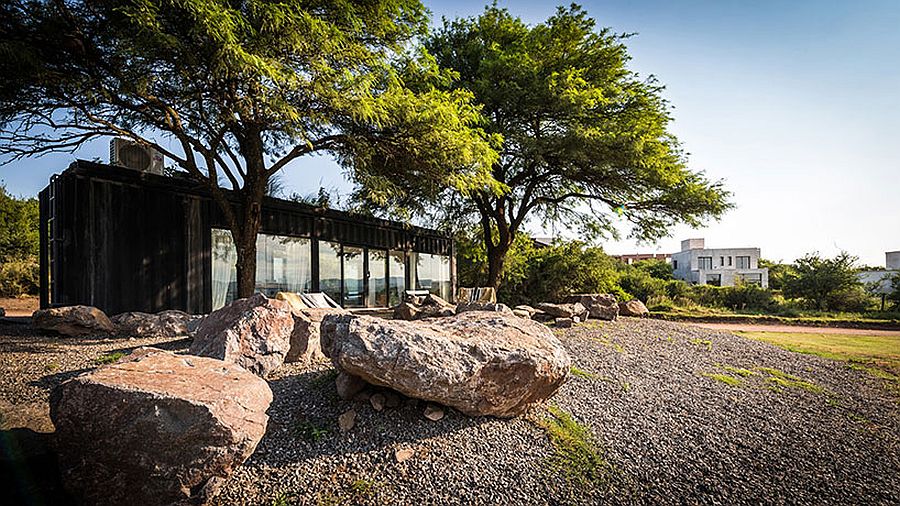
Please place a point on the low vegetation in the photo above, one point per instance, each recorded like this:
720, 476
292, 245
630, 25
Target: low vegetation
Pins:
779, 379
109, 358
581, 373
577, 455
723, 378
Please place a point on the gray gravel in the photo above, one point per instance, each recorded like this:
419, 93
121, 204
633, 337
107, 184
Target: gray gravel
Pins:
670, 434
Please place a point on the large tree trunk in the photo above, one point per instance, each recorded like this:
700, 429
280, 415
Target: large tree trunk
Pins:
251, 215
496, 258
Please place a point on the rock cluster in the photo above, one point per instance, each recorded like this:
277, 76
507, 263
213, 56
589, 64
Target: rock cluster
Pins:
600, 306
156, 428
481, 363
427, 306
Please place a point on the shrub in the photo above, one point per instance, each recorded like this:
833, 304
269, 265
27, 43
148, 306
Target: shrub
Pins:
19, 277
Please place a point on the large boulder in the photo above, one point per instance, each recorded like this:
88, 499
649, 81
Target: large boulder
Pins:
633, 307
479, 362
305, 337
163, 324
73, 321
156, 428
601, 306
254, 333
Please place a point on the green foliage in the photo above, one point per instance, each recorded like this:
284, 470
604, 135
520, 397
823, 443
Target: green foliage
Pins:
109, 358
18, 227
656, 268
577, 455
827, 283
723, 378
581, 373
585, 140
779, 273
240, 89
19, 277
894, 295
311, 431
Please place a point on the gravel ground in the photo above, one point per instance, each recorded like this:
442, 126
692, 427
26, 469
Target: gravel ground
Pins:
670, 434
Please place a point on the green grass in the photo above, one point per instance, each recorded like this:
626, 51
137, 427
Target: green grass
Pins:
702, 342
109, 358
581, 373
577, 455
724, 378
878, 356
311, 431
740, 371
790, 317
780, 379
363, 488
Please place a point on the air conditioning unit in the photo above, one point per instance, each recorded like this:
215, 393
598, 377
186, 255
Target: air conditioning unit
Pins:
134, 156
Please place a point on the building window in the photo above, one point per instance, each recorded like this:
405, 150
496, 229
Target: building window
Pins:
721, 261
354, 277
743, 262
752, 278
282, 265
705, 263
378, 290
432, 273
729, 261
714, 279
674, 265
330, 269
397, 281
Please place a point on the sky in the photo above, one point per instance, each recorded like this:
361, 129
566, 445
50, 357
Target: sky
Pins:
794, 105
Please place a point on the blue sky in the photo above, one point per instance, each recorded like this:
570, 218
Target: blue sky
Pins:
796, 105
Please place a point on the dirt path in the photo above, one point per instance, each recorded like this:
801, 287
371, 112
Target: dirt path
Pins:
20, 307
751, 327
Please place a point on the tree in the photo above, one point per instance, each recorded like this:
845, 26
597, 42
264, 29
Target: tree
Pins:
656, 268
824, 282
585, 139
235, 91
779, 273
18, 227
894, 295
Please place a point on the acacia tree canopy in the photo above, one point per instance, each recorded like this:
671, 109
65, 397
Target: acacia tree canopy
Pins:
585, 139
241, 88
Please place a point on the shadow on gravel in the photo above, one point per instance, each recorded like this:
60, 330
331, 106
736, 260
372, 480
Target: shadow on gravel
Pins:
303, 421
29, 473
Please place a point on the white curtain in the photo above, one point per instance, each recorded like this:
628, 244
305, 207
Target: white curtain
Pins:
224, 272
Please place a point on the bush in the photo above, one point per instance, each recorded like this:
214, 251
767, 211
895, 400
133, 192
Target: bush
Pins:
19, 277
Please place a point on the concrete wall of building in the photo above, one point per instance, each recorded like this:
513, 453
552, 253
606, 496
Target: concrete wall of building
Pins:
686, 264
892, 260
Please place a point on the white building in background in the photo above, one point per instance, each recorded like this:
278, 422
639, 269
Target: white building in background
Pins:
697, 264
880, 281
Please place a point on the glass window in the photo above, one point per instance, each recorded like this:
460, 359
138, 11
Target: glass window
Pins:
354, 279
714, 279
432, 273
330, 269
397, 281
721, 261
282, 265
753, 278
743, 262
377, 291
705, 262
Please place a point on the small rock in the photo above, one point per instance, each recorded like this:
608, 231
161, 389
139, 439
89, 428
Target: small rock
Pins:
633, 307
433, 412
347, 420
563, 323
522, 314
377, 401
348, 385
404, 454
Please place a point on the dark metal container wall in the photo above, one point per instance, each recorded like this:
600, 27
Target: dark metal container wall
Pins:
123, 240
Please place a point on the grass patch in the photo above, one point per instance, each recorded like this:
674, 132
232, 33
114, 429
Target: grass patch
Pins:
109, 358
581, 373
780, 379
702, 342
740, 371
724, 378
363, 488
577, 455
51, 367
311, 431
880, 350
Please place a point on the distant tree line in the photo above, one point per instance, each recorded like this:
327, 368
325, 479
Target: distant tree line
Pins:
19, 245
